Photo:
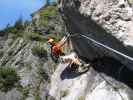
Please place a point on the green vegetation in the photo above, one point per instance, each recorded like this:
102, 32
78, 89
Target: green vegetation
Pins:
130, 2
42, 74
37, 97
29, 66
64, 93
24, 91
39, 51
48, 19
56, 39
81, 98
18, 27
8, 78
31, 36
47, 2
1, 53
47, 14
34, 37
37, 92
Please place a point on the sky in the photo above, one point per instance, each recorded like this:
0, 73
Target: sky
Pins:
11, 10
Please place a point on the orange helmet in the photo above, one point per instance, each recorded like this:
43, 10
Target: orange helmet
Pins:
50, 40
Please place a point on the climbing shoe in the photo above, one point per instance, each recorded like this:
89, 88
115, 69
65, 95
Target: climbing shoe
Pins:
83, 67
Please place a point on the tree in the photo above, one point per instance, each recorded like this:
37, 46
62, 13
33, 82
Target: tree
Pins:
19, 24
8, 26
47, 2
26, 23
16, 28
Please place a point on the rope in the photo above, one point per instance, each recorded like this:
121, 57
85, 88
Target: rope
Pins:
71, 35
107, 47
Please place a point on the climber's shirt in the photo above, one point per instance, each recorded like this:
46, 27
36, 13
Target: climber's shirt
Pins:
56, 50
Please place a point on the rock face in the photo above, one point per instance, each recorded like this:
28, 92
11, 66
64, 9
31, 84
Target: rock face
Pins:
47, 20
107, 21
29, 54
70, 85
42, 79
34, 71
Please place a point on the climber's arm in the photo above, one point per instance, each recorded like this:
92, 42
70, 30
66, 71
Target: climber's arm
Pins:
63, 41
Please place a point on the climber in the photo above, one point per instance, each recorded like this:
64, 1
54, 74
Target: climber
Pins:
58, 53
56, 48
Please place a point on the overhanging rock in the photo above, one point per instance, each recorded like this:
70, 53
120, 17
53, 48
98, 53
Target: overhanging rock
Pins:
107, 21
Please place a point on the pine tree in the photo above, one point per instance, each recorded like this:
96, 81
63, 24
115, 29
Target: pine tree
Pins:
47, 2
19, 25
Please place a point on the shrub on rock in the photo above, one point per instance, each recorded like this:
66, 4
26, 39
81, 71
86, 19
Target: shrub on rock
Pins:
8, 78
39, 51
